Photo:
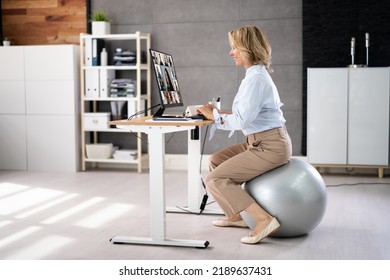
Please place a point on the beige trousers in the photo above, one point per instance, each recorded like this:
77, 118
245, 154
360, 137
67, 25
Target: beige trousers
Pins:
237, 164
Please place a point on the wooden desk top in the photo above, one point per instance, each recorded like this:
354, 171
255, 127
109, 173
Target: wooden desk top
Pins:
147, 121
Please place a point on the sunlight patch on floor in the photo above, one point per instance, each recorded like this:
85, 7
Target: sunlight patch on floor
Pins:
46, 206
28, 198
10, 188
74, 210
104, 215
41, 248
18, 235
5, 223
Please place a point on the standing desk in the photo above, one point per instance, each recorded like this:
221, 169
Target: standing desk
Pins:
156, 131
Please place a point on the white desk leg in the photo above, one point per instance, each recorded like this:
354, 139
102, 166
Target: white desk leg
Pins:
196, 190
157, 185
157, 200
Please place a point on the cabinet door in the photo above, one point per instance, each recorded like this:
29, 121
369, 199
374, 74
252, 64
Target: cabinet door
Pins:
368, 119
52, 97
12, 97
327, 115
53, 144
12, 63
13, 147
54, 62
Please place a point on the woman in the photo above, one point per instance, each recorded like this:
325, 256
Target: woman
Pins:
256, 112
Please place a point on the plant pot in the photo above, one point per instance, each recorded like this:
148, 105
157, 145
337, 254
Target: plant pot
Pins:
101, 27
6, 43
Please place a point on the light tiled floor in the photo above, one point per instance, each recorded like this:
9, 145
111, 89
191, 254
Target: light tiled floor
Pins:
72, 216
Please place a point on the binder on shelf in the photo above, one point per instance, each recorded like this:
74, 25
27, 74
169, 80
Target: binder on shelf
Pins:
92, 83
97, 46
88, 52
106, 76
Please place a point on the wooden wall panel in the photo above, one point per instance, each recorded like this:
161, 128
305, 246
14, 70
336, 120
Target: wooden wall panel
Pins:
44, 22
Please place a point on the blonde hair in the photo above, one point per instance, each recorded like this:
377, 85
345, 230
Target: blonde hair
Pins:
253, 45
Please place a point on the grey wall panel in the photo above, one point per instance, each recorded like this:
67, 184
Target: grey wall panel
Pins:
169, 11
195, 33
126, 12
294, 127
288, 80
200, 84
195, 44
285, 36
265, 9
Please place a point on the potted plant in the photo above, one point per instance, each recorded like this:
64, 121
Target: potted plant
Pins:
6, 41
101, 24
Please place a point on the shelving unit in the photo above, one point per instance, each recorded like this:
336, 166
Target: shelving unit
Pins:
138, 43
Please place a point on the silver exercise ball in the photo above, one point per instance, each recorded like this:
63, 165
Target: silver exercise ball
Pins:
294, 192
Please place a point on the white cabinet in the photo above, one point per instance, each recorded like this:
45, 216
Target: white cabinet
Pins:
12, 64
368, 121
348, 116
53, 143
12, 97
55, 62
327, 103
39, 108
96, 91
13, 147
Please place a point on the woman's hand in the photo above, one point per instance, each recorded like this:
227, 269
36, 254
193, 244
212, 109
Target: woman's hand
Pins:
207, 111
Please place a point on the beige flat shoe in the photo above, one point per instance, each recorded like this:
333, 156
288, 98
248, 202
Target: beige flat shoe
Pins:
226, 223
269, 229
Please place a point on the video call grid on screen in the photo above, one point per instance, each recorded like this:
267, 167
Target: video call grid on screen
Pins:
166, 79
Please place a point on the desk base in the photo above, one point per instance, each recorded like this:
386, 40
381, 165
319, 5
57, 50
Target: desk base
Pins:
166, 242
187, 210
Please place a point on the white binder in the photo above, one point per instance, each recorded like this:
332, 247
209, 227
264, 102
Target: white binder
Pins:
88, 52
106, 76
92, 83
